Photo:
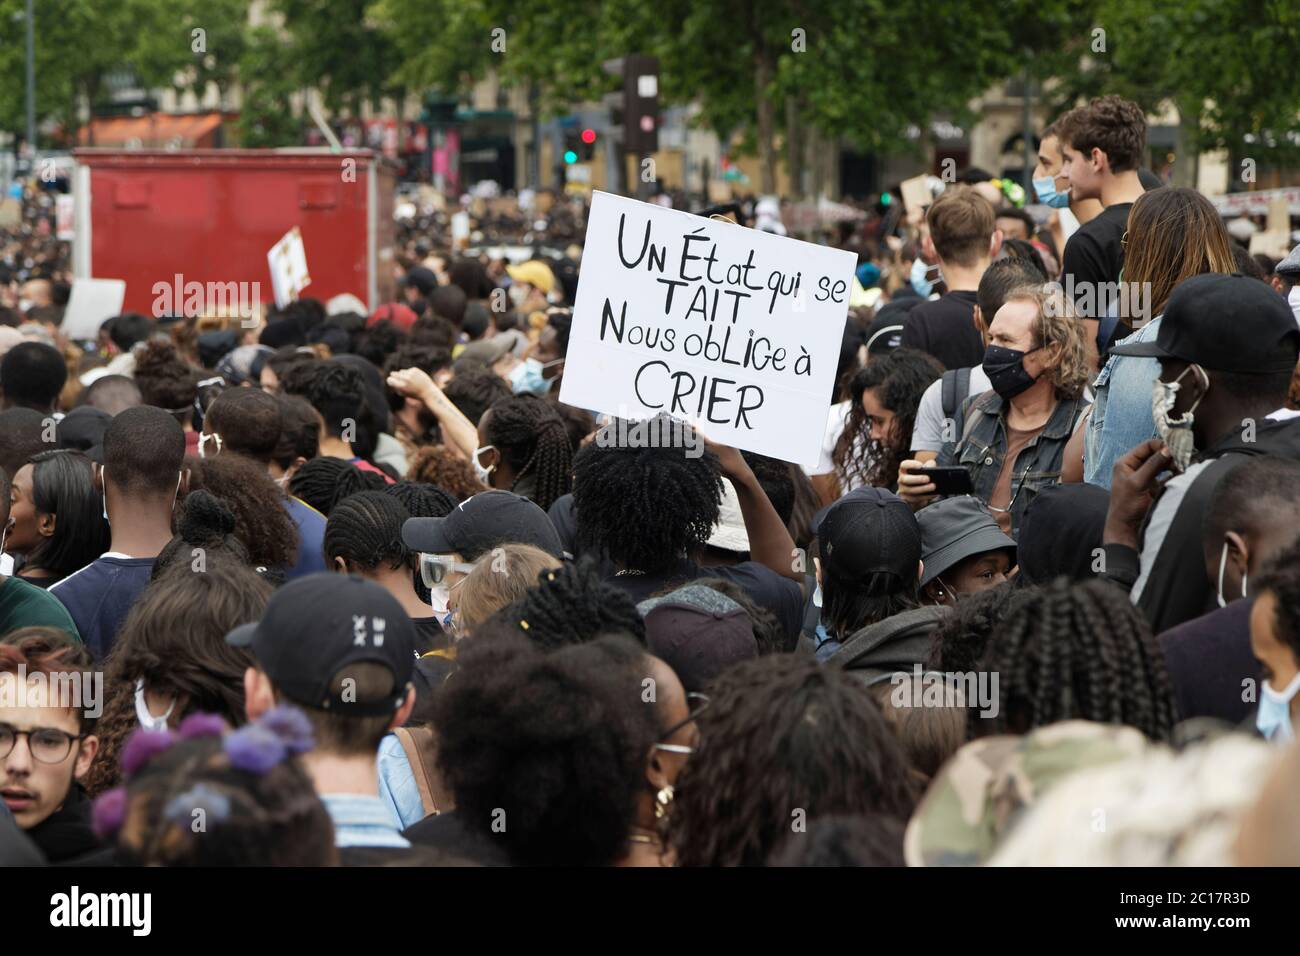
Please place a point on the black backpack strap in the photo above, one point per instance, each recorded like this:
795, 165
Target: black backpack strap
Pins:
954, 387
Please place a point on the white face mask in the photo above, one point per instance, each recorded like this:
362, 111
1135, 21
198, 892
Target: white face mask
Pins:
1223, 563
203, 441
518, 293
6, 560
1176, 433
147, 720
484, 474
1293, 299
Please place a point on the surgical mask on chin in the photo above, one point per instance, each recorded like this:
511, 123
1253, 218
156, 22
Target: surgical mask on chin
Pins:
1223, 563
920, 277
1049, 195
147, 720
1176, 434
1273, 718
527, 377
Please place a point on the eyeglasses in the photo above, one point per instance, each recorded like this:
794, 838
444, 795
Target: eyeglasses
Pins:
696, 704
1123, 241
435, 568
46, 744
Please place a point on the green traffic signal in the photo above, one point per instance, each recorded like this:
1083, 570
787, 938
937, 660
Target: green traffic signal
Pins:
570, 156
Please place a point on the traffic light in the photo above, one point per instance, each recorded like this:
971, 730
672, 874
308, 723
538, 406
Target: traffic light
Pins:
639, 102
572, 146
587, 145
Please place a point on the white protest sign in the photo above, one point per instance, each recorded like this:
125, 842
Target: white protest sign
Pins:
288, 262
735, 330
89, 304
65, 216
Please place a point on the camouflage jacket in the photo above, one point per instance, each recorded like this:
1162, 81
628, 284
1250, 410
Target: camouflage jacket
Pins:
989, 783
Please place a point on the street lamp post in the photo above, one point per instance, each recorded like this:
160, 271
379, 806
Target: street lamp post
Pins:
31, 85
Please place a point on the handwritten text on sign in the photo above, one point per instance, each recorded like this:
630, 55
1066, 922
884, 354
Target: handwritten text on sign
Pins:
736, 330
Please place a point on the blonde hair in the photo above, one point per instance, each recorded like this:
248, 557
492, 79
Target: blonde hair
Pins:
1057, 327
499, 579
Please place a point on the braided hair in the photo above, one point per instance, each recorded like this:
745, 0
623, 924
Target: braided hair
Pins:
900, 378
781, 735
570, 605
323, 482
1080, 651
649, 507
532, 438
365, 530
269, 819
423, 500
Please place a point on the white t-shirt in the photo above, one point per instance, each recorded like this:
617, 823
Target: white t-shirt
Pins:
835, 421
927, 433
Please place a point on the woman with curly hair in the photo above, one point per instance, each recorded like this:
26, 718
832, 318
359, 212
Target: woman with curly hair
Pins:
261, 521
882, 411
439, 465
167, 381
171, 658
1075, 652
780, 741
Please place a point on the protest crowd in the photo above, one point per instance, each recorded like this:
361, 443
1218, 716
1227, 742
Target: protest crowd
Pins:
337, 588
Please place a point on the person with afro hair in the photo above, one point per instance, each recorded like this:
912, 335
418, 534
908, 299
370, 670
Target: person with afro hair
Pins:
552, 744
1075, 652
652, 509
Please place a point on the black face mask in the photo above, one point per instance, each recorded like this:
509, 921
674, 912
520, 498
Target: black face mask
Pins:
1006, 370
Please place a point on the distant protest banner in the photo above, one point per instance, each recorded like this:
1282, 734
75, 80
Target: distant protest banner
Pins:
734, 330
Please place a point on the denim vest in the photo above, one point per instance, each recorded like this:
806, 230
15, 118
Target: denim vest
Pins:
1121, 408
983, 446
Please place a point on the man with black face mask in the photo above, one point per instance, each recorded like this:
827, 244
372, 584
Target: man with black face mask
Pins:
1013, 436
1227, 348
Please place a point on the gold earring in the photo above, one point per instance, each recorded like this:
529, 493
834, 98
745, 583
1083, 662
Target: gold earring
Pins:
663, 799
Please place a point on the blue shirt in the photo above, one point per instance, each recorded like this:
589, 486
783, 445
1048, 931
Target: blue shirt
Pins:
311, 538
361, 820
100, 595
1121, 408
397, 787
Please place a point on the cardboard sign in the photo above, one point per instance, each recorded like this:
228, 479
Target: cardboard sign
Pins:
288, 262
916, 193
734, 330
89, 304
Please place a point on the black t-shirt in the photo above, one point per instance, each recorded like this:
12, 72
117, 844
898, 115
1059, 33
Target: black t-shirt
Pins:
1094, 257
768, 589
429, 635
946, 329
447, 834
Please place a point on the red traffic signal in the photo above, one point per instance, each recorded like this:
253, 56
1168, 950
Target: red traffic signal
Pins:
589, 136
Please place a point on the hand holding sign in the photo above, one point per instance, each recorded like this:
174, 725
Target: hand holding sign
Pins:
736, 330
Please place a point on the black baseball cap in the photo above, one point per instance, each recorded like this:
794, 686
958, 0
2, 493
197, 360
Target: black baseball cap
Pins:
870, 530
315, 626
1224, 323
479, 524
954, 529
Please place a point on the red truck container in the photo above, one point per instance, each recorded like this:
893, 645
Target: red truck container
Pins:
211, 215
